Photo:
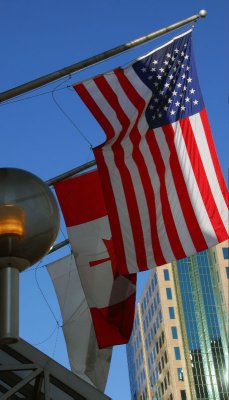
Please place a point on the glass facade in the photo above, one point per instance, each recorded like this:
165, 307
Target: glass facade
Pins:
205, 329
179, 346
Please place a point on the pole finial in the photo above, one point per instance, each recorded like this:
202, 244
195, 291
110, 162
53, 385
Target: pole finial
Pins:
203, 13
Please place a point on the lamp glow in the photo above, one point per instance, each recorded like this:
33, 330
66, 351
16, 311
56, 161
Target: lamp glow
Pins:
12, 221
29, 224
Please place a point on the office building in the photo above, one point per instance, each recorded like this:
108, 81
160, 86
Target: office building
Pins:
179, 345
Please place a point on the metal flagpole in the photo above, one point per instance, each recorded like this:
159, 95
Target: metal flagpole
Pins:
59, 246
26, 87
70, 173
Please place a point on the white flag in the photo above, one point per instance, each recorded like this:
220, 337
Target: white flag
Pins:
86, 359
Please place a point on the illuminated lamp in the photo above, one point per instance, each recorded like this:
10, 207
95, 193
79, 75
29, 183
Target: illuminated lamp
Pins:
29, 224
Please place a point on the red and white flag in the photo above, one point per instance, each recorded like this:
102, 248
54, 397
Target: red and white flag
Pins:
110, 296
86, 359
164, 190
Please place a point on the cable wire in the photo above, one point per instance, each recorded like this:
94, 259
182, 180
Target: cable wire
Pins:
45, 299
70, 119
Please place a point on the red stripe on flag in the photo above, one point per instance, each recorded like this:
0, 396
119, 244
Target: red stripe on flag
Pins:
170, 225
95, 110
127, 184
202, 180
98, 262
182, 192
105, 177
215, 160
138, 157
74, 196
114, 324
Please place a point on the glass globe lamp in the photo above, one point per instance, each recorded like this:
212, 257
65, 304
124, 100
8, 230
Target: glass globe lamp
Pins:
29, 224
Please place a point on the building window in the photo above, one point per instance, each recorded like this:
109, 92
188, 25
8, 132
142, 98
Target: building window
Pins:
150, 291
152, 311
152, 285
168, 378
160, 342
183, 395
159, 367
162, 362
166, 275
163, 336
227, 272
169, 293
159, 392
142, 307
160, 316
154, 327
144, 303
162, 388
171, 313
226, 253
144, 325
177, 353
174, 332
155, 303
166, 358
180, 374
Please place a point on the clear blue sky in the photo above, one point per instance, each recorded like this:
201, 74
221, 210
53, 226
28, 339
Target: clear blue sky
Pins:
39, 37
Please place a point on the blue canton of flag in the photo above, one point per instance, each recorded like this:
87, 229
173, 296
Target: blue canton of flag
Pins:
171, 75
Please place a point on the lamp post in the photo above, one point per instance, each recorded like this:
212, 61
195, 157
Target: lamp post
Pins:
29, 224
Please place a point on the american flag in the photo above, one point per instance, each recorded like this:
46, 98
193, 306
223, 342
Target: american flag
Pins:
171, 77
163, 186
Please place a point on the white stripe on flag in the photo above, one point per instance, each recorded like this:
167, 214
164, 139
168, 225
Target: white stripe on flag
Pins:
205, 154
138, 84
160, 223
103, 104
121, 205
127, 145
174, 201
143, 127
192, 187
120, 200
118, 191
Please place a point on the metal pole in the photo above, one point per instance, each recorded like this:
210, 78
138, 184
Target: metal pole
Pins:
70, 173
59, 246
9, 305
26, 87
